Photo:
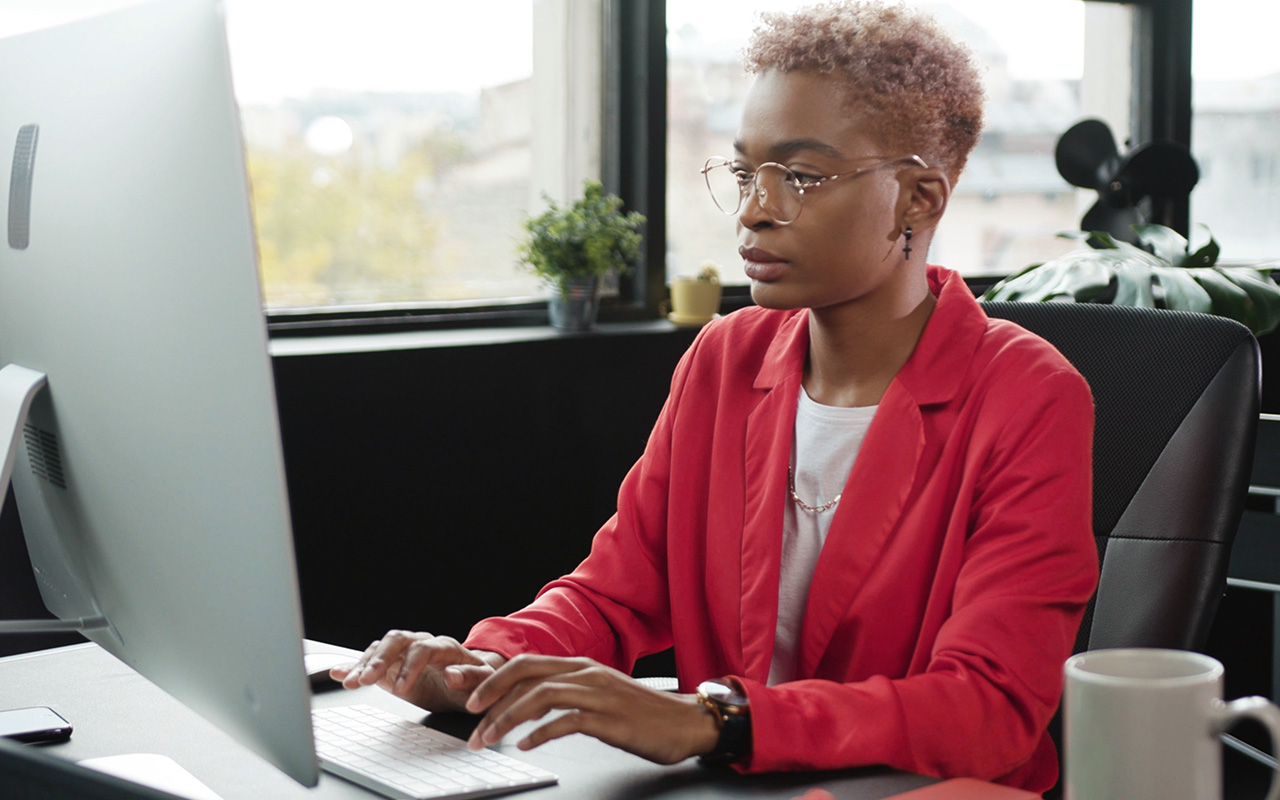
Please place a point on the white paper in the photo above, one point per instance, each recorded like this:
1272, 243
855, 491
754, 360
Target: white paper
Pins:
157, 771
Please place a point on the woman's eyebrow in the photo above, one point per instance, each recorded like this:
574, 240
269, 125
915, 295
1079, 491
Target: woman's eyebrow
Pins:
793, 146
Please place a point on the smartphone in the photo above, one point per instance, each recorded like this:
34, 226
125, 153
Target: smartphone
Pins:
32, 725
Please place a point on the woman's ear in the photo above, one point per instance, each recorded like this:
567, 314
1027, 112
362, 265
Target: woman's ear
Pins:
925, 192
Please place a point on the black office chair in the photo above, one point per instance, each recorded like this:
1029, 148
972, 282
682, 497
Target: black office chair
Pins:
1176, 397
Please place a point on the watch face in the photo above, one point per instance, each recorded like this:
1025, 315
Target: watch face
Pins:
724, 695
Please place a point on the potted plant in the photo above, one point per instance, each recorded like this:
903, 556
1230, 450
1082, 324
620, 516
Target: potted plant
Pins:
572, 248
1170, 275
695, 301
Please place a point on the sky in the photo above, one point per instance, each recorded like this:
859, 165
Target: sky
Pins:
289, 48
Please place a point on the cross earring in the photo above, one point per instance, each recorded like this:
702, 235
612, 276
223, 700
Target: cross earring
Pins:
906, 245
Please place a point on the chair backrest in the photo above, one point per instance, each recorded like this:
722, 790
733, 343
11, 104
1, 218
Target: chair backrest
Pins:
1176, 397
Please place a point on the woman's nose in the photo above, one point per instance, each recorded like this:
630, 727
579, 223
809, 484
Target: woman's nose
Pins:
751, 213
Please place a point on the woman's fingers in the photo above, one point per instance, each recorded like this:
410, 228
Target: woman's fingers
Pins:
521, 668
586, 722
412, 666
465, 677
373, 663
534, 699
599, 702
438, 673
429, 652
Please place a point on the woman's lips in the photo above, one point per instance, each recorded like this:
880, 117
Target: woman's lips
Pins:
761, 265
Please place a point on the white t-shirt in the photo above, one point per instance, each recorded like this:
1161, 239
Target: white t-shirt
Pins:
827, 440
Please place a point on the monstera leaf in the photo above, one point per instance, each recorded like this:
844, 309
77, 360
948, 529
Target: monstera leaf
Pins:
1170, 275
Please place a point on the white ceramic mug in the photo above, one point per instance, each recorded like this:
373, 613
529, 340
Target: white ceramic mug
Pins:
1144, 724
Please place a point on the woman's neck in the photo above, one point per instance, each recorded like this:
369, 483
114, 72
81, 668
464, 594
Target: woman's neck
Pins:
854, 356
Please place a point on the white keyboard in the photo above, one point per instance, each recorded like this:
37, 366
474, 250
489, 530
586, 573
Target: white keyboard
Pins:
397, 758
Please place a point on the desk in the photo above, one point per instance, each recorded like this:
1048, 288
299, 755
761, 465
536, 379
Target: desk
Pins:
115, 710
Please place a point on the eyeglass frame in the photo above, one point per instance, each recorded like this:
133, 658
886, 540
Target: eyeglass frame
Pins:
801, 187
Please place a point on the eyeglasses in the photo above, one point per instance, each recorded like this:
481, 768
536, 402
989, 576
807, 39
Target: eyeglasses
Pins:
779, 190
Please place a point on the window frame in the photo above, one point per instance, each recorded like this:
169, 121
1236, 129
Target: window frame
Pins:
1162, 87
633, 141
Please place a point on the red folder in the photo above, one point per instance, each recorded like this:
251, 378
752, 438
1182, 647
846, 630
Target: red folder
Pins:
966, 789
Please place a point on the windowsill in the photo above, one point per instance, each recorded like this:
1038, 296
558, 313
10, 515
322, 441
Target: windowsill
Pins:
458, 337
365, 341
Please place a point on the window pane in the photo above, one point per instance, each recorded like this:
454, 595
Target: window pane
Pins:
1235, 130
394, 145
390, 162
1009, 203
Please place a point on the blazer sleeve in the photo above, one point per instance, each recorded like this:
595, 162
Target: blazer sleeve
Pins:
993, 678
614, 607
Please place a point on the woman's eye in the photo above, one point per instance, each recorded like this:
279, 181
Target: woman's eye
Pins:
742, 176
805, 180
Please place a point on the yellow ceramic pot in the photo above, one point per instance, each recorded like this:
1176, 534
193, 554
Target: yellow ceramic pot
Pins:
694, 302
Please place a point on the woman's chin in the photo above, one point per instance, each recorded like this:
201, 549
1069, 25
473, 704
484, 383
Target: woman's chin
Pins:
774, 295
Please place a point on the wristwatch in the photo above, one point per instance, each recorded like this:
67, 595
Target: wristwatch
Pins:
732, 711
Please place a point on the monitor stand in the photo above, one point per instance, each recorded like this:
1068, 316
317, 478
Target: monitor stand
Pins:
64, 592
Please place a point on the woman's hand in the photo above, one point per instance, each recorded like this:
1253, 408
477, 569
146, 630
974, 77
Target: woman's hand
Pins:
601, 702
433, 672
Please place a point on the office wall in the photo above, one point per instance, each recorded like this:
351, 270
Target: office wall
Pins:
432, 487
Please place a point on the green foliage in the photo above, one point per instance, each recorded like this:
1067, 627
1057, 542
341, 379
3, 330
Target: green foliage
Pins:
334, 230
1171, 275
593, 237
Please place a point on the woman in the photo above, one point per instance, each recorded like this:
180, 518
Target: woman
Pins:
865, 507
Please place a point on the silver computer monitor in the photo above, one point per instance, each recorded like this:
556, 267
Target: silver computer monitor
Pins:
136, 384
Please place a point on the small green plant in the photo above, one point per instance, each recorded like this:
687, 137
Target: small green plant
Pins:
1170, 275
709, 272
590, 238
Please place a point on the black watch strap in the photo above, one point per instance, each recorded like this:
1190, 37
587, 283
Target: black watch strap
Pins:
731, 708
734, 743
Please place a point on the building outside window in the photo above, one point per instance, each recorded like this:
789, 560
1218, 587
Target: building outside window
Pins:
395, 145
1235, 128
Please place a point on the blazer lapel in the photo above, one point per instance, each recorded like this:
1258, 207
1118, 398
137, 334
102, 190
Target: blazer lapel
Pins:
873, 499
769, 432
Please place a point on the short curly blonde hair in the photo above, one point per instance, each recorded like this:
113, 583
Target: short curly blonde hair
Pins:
920, 86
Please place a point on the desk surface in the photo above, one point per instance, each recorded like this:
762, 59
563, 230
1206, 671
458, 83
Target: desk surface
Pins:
116, 711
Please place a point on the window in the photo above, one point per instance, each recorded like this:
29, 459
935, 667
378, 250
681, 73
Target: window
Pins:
1009, 203
1235, 129
394, 145
393, 160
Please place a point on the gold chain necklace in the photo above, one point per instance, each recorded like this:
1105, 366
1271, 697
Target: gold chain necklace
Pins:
791, 486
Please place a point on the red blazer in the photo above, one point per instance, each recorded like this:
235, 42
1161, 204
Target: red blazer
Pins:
952, 582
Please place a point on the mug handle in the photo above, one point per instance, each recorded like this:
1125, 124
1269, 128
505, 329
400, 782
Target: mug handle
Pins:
1262, 710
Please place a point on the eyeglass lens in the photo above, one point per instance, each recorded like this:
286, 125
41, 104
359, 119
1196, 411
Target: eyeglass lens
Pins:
775, 186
